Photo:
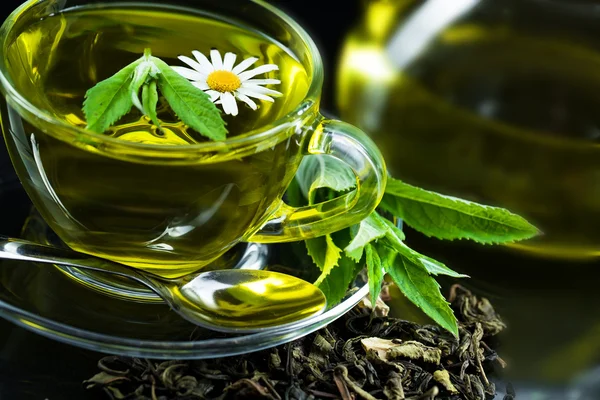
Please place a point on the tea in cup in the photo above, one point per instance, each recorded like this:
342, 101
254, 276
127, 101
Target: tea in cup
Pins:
160, 196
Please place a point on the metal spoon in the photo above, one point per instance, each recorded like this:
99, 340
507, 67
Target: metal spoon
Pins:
235, 300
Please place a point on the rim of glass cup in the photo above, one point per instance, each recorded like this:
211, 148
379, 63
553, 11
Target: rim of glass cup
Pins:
314, 67
193, 349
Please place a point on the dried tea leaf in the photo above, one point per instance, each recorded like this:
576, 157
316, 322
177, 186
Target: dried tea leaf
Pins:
380, 346
116, 393
415, 351
350, 359
381, 309
443, 377
250, 389
393, 387
473, 310
102, 379
342, 371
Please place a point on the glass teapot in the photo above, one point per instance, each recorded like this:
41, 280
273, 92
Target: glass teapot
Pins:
493, 101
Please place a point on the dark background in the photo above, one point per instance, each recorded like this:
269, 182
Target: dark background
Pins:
33, 367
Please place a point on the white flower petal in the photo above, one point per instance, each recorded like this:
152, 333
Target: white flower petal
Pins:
189, 73
247, 100
195, 64
256, 71
244, 65
252, 93
229, 61
202, 85
263, 81
202, 67
203, 61
261, 90
214, 95
216, 59
229, 104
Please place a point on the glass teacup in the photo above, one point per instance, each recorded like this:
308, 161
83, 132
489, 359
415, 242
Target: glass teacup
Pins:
170, 209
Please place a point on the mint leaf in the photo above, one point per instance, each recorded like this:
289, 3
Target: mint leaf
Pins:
109, 99
335, 285
323, 171
191, 104
432, 266
324, 253
447, 217
419, 287
371, 228
140, 75
150, 100
436, 268
375, 273
293, 194
112, 98
394, 229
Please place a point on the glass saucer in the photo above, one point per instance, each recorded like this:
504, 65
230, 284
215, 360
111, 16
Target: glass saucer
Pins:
70, 306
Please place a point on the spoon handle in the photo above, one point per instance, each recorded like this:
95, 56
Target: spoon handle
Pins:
23, 250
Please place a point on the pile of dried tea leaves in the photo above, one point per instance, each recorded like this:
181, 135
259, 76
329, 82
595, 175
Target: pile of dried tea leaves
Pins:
360, 356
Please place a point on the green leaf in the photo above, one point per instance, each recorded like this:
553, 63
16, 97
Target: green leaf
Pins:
323, 171
419, 287
371, 228
150, 100
335, 285
447, 217
394, 229
293, 194
191, 104
324, 253
109, 99
375, 273
141, 74
434, 267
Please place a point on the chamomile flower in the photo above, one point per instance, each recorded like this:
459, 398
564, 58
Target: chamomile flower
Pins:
225, 83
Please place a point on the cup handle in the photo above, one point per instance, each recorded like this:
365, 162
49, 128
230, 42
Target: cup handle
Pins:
354, 148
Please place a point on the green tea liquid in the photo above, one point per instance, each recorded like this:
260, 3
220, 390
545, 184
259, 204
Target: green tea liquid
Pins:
57, 59
168, 218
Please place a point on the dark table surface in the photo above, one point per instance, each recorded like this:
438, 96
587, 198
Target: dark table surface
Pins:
551, 314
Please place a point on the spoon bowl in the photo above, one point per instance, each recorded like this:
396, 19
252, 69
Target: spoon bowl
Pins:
232, 301
247, 300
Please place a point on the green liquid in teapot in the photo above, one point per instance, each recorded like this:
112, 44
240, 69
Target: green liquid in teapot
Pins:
484, 112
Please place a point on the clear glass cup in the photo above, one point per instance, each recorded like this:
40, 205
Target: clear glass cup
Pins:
97, 313
232, 190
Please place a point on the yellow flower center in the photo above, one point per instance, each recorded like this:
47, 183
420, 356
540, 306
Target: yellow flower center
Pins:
223, 81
